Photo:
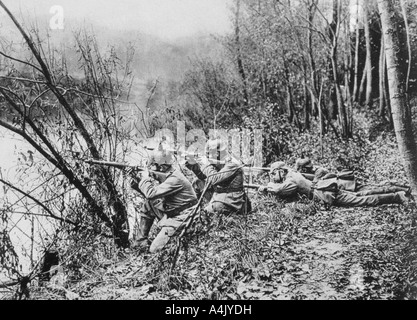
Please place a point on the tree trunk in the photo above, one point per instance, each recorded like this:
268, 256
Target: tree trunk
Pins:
357, 35
387, 96
334, 32
400, 106
314, 86
382, 64
407, 30
239, 59
307, 103
368, 98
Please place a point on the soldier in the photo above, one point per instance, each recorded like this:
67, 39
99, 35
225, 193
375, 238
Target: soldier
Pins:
287, 183
223, 175
345, 180
170, 199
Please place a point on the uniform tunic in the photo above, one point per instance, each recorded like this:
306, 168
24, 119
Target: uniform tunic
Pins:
228, 187
226, 182
295, 183
172, 201
176, 192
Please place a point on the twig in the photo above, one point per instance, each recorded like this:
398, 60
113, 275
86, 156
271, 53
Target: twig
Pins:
38, 203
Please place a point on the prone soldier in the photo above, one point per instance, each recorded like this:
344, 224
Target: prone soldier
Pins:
346, 180
286, 182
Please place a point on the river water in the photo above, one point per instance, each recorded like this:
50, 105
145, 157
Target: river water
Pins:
19, 225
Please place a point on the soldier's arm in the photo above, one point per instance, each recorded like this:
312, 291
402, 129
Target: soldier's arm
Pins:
285, 189
218, 176
195, 168
320, 174
151, 191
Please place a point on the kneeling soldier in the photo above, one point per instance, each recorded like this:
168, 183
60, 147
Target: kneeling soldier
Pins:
170, 200
224, 176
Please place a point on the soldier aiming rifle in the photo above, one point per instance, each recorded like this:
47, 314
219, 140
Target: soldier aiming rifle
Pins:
223, 174
170, 198
286, 183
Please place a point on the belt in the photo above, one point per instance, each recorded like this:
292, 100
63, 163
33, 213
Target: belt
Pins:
175, 211
227, 190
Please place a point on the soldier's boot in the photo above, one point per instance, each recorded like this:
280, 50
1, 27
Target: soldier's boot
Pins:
404, 197
400, 187
247, 206
407, 190
397, 197
145, 225
162, 239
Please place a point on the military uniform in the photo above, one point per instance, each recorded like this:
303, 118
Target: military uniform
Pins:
345, 180
226, 183
305, 166
171, 201
295, 183
328, 192
224, 179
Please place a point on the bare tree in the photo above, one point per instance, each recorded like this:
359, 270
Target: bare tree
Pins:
368, 65
43, 85
400, 106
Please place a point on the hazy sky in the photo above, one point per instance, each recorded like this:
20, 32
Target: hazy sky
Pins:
165, 18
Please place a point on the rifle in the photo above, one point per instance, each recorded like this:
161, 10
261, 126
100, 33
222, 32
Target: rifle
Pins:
117, 165
308, 176
122, 166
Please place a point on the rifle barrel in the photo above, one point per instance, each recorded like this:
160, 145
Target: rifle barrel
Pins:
257, 168
308, 176
112, 164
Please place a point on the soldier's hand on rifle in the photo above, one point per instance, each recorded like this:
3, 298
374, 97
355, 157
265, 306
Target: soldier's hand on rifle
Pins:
190, 161
262, 189
204, 161
145, 174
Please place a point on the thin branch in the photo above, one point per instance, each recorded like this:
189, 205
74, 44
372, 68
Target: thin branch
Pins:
23, 79
9, 283
21, 61
93, 95
10, 127
37, 202
38, 97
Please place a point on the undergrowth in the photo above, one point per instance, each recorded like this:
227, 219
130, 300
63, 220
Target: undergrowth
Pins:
282, 250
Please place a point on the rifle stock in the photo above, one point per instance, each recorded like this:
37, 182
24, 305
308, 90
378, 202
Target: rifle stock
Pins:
308, 176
